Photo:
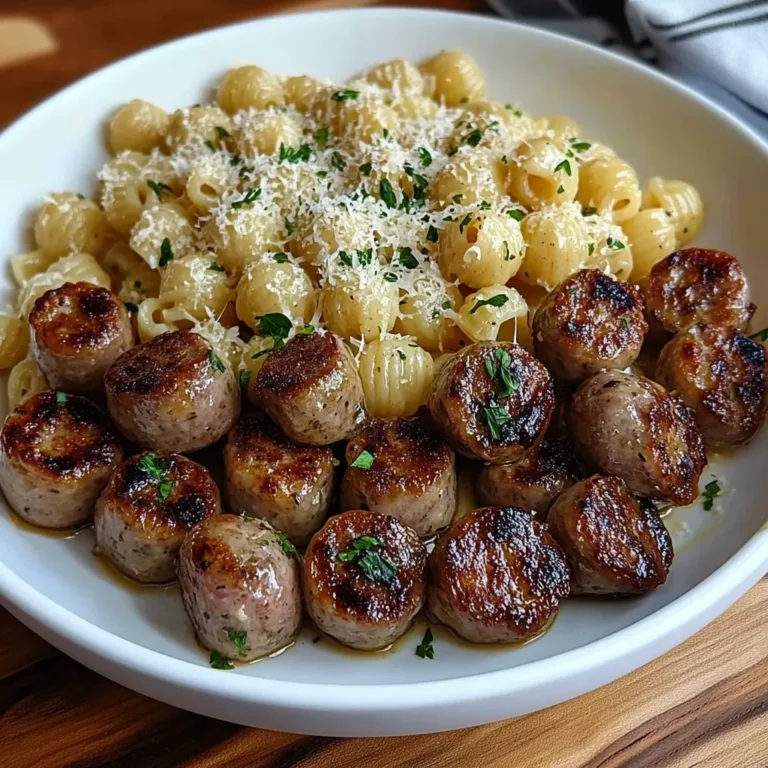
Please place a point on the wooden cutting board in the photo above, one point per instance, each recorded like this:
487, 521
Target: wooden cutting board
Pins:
704, 704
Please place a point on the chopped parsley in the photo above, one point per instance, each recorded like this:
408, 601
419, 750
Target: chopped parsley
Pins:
406, 258
590, 249
625, 323
364, 258
131, 307
475, 137
424, 649
432, 235
157, 469
710, 493
80, 196
217, 661
499, 300
762, 335
166, 252
457, 199
508, 256
424, 157
321, 137
616, 245
345, 95
222, 133
387, 193
276, 326
485, 205
214, 266
210, 146
164, 490
390, 277
245, 171
239, 637
417, 178
290, 226
245, 379
517, 215
216, 363
280, 257
564, 165
295, 155
498, 368
464, 222
251, 196
588, 211
363, 461
157, 187
285, 543
560, 189
61, 398
235, 160
496, 417
366, 168
364, 553
337, 161
580, 146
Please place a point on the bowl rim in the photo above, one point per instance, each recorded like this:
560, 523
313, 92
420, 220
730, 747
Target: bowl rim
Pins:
658, 631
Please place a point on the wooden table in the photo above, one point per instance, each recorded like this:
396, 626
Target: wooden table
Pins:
703, 704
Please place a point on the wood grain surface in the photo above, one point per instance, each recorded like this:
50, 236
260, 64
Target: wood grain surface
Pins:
704, 704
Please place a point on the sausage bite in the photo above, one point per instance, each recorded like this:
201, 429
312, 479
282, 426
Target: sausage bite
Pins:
312, 389
77, 331
241, 587
397, 467
270, 477
698, 285
492, 401
534, 482
143, 514
720, 374
364, 579
172, 393
57, 453
631, 427
615, 545
497, 576
589, 322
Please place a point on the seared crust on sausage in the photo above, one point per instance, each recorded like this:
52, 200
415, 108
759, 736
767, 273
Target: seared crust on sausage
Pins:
77, 331
268, 476
614, 545
698, 285
412, 477
143, 514
589, 322
497, 576
476, 419
342, 597
631, 427
312, 389
534, 482
57, 452
240, 585
720, 373
172, 393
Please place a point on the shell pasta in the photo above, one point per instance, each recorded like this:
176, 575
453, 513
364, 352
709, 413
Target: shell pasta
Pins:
396, 210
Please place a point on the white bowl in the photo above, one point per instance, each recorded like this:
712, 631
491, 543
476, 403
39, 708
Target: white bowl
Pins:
140, 638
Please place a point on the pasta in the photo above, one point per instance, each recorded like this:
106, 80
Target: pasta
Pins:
543, 175
138, 126
250, 86
275, 285
401, 210
484, 313
453, 77
482, 249
610, 186
651, 234
681, 202
25, 379
67, 223
396, 374
557, 245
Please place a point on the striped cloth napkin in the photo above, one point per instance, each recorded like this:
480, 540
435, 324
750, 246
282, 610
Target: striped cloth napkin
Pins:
718, 47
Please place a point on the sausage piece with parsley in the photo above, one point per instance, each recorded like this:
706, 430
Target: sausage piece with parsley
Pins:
364, 579
493, 401
173, 393
143, 514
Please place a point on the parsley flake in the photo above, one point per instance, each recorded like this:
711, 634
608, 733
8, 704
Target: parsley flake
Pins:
157, 187
387, 194
591, 249
762, 335
214, 266
290, 226
61, 398
295, 155
217, 661
285, 543
245, 379
222, 133
710, 493
588, 211
364, 553
321, 137
365, 169
406, 258
424, 649
560, 189
615, 245
337, 161
517, 214
345, 95
465, 221
499, 300
564, 165
166, 252
363, 461
424, 157
580, 146
216, 363
239, 637
251, 196
276, 326
432, 235
496, 417
280, 258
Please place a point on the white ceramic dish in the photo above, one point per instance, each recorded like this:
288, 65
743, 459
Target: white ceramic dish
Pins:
140, 637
